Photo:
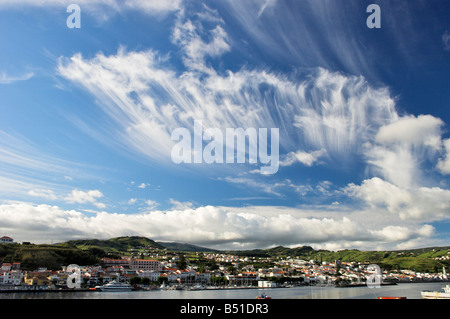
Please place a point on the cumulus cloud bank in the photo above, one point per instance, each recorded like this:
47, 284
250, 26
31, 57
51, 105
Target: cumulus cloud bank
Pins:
213, 226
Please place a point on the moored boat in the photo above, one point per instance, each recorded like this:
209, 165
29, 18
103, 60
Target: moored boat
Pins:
115, 286
443, 294
263, 296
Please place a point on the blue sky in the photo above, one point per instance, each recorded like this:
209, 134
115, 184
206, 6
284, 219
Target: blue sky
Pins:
362, 114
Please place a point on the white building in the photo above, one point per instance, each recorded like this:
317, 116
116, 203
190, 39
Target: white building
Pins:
266, 284
145, 264
150, 274
13, 277
6, 240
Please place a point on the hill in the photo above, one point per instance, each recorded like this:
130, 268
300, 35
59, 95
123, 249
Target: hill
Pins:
185, 247
422, 259
115, 245
32, 257
90, 251
278, 251
123, 244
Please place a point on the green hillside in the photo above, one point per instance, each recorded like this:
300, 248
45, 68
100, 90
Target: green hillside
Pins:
81, 252
52, 257
421, 260
185, 247
116, 245
90, 251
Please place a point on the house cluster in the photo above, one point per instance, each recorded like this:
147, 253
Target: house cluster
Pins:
219, 269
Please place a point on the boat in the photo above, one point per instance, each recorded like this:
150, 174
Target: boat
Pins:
263, 296
443, 294
115, 286
196, 287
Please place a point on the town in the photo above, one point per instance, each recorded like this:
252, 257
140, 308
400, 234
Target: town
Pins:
148, 268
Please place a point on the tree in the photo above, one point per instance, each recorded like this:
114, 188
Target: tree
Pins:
136, 280
231, 269
162, 279
181, 264
219, 280
201, 269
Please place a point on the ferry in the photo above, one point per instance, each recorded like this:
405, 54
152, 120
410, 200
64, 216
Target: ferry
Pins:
115, 286
444, 294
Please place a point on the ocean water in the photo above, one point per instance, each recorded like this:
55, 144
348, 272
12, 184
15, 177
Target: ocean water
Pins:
408, 290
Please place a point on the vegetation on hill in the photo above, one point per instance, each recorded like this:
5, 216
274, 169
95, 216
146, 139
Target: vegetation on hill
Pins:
90, 251
80, 252
52, 257
421, 260
185, 247
116, 245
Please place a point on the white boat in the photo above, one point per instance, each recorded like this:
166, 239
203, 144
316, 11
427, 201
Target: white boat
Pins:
196, 287
443, 294
115, 286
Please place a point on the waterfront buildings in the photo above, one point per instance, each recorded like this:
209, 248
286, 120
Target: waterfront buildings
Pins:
207, 269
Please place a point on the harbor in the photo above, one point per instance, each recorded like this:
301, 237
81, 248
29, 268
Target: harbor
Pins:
404, 290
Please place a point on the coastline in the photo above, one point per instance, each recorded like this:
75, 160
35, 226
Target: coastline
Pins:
26, 289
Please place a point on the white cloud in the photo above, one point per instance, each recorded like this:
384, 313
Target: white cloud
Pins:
266, 4
213, 226
400, 233
308, 159
141, 92
178, 205
152, 7
82, 197
422, 203
269, 188
340, 113
25, 168
423, 130
400, 148
397, 165
446, 40
151, 204
188, 35
7, 79
328, 112
43, 193
143, 185
444, 164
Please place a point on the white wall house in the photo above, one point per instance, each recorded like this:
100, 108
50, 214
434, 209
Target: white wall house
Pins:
11, 277
266, 284
150, 274
6, 240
